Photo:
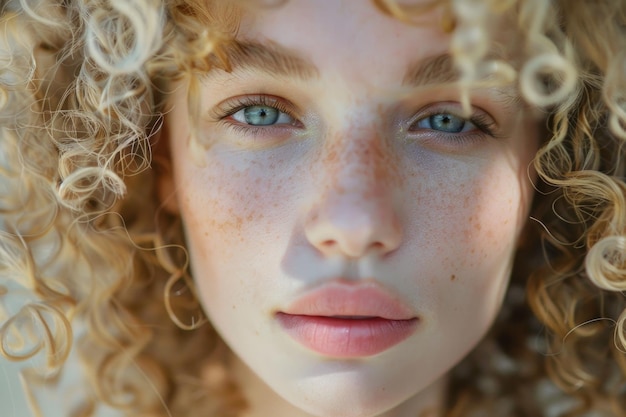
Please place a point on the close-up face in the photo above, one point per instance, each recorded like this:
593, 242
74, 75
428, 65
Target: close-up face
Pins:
351, 230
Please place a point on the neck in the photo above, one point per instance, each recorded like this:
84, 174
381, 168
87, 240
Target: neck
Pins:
263, 401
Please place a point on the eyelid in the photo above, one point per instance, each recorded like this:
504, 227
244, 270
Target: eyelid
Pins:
478, 117
232, 105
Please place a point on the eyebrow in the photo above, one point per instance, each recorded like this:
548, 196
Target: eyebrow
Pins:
270, 58
279, 61
437, 69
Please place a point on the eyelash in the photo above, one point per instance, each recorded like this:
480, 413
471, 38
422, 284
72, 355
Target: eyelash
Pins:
483, 124
224, 111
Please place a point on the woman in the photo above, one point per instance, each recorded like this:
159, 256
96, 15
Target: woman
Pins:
343, 188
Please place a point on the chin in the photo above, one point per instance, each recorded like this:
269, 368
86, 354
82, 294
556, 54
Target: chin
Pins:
344, 395
340, 407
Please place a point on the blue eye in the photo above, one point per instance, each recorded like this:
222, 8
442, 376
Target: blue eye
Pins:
445, 122
261, 115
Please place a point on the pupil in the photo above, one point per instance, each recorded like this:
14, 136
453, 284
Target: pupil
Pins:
261, 115
447, 123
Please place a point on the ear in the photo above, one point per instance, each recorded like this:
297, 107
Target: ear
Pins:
162, 166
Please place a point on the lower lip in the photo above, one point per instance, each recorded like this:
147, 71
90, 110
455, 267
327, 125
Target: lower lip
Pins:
346, 338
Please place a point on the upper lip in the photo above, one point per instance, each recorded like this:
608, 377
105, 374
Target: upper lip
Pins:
343, 298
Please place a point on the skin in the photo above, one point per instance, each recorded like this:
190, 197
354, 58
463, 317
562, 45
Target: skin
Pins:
350, 186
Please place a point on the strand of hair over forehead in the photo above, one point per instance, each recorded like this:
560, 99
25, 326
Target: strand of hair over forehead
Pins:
471, 20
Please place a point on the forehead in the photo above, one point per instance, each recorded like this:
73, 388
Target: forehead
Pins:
344, 34
355, 37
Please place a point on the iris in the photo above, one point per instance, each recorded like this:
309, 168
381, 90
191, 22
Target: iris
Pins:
447, 123
261, 115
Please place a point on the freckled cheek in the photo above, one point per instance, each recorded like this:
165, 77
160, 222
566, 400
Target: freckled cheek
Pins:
473, 223
227, 210
493, 221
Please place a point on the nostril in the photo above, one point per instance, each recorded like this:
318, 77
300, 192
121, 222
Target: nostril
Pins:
377, 246
351, 246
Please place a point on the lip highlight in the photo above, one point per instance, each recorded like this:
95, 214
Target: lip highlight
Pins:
348, 320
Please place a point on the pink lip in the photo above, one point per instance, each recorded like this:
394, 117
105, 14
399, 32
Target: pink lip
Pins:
348, 320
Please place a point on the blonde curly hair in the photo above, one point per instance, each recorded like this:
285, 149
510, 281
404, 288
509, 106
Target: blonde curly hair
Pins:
83, 85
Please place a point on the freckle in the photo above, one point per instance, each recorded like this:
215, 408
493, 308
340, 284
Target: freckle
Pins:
452, 277
331, 155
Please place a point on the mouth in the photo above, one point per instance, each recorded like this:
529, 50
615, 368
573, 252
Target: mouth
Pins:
348, 321
342, 337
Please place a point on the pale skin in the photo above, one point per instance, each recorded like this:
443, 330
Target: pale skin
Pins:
357, 179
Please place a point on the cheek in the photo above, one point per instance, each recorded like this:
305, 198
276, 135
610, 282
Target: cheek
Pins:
466, 224
219, 204
235, 215
484, 216
475, 211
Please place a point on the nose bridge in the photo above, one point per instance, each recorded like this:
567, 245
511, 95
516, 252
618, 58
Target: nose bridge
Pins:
354, 212
356, 172
360, 164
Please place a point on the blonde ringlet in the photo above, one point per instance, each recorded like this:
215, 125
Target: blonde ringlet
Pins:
129, 53
606, 265
547, 64
84, 242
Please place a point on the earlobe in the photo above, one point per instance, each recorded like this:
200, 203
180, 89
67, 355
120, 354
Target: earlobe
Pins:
164, 177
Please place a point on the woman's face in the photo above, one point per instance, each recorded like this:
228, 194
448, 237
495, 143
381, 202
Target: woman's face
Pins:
351, 234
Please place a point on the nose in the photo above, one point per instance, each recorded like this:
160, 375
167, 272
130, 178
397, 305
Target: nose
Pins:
355, 213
